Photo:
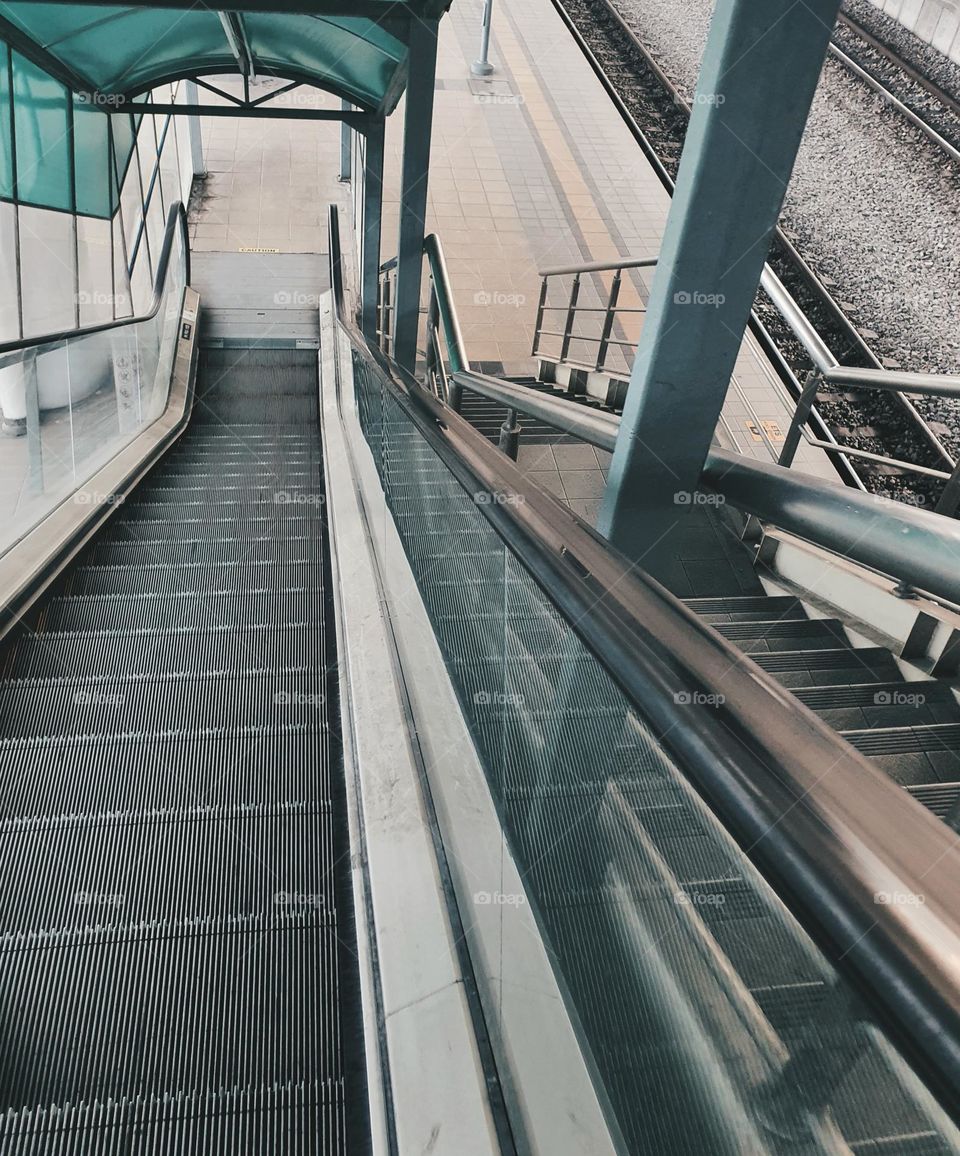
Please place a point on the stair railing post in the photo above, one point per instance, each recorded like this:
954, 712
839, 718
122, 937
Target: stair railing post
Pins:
510, 435
541, 309
571, 317
801, 416
608, 321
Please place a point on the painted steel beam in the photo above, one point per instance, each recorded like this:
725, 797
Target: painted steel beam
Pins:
757, 79
372, 228
357, 120
417, 132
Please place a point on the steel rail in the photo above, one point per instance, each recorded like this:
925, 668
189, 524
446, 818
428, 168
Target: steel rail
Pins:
854, 341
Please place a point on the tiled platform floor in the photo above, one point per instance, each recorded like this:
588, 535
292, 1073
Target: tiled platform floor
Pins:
531, 169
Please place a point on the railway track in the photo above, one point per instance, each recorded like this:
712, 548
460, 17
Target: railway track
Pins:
656, 113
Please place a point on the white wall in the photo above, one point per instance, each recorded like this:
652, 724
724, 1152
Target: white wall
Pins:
935, 21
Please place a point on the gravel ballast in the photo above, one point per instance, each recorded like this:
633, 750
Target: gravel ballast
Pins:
874, 206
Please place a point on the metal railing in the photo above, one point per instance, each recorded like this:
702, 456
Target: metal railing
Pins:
827, 842
828, 371
573, 312
444, 351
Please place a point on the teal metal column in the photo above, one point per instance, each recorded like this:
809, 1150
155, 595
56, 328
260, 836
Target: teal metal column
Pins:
757, 79
417, 130
346, 151
372, 220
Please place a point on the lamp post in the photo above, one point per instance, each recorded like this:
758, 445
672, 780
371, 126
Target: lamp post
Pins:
482, 66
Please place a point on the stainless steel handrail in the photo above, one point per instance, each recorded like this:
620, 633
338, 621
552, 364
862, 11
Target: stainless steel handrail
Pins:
913, 546
828, 369
827, 828
599, 267
932, 384
176, 220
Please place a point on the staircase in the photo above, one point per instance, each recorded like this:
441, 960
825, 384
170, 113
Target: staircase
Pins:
911, 729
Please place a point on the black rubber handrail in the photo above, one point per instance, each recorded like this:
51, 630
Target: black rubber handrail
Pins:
830, 832
176, 220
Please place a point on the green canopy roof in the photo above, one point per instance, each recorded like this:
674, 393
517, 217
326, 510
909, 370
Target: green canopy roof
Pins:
67, 66
355, 50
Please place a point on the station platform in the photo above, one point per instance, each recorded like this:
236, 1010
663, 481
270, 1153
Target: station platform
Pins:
531, 168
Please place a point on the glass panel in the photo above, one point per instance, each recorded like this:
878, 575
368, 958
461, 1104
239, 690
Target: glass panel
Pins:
6, 147
9, 288
711, 1021
96, 296
43, 137
91, 157
47, 251
72, 405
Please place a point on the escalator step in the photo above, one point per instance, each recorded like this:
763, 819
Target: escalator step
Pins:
106, 654
149, 705
941, 798
758, 606
250, 607
90, 780
302, 574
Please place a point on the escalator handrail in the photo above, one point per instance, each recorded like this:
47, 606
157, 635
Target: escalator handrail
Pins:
829, 831
176, 222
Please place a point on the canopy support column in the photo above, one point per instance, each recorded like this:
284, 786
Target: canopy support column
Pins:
757, 80
193, 129
417, 131
346, 158
372, 221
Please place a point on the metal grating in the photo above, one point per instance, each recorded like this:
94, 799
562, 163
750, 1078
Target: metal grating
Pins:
177, 941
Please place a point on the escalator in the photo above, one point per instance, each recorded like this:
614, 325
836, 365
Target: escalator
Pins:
659, 928
179, 950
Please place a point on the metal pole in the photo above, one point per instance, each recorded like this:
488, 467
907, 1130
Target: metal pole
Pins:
482, 66
417, 130
346, 161
757, 79
193, 128
372, 217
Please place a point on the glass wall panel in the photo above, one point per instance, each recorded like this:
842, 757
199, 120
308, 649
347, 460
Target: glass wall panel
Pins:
42, 119
9, 286
48, 270
75, 403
